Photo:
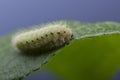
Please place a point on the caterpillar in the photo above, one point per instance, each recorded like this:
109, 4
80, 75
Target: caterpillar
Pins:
43, 39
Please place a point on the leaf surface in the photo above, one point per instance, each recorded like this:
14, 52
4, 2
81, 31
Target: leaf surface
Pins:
14, 66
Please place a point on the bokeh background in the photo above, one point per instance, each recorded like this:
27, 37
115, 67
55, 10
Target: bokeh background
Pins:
16, 14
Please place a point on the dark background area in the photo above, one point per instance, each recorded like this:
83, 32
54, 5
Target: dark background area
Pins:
15, 14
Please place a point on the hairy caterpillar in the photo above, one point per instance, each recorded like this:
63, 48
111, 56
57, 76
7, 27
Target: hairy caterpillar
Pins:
42, 39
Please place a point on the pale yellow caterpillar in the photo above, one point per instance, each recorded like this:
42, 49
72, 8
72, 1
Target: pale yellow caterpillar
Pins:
43, 39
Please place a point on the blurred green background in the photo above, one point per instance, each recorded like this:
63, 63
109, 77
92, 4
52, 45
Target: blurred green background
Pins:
88, 59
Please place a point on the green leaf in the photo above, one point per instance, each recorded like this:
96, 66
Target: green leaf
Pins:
14, 66
93, 29
95, 58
